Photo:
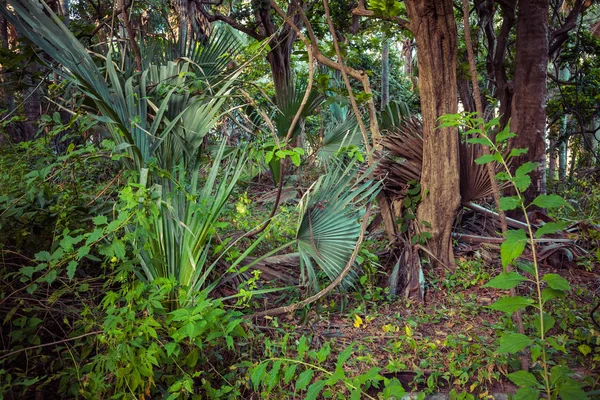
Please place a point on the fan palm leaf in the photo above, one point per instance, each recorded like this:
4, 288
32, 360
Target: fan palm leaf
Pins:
328, 230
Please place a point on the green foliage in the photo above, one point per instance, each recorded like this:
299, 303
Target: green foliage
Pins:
328, 230
558, 381
309, 370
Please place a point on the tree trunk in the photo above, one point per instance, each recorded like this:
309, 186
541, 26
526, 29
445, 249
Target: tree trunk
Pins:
528, 103
31, 102
279, 60
434, 28
385, 73
7, 94
564, 75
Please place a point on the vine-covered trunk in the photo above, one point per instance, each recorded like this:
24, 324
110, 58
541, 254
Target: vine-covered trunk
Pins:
433, 24
528, 116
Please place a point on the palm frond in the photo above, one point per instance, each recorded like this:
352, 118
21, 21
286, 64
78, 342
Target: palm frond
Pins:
328, 229
402, 160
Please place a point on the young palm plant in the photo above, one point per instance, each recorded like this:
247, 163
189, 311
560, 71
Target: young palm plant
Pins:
156, 120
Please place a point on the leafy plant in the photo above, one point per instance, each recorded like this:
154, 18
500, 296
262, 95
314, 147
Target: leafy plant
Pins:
555, 381
328, 230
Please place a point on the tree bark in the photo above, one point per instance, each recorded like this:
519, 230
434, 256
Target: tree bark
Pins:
434, 28
31, 102
385, 73
529, 100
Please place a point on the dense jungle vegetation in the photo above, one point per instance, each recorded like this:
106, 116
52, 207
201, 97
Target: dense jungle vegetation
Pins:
300, 199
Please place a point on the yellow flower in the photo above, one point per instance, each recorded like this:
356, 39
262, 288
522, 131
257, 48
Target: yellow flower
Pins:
358, 322
114, 260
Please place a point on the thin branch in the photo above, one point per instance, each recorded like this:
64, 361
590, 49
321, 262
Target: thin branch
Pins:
49, 344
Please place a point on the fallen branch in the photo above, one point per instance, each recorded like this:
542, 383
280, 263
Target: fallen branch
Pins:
509, 221
474, 239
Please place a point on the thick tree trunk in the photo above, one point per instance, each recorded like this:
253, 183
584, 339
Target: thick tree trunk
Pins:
529, 100
385, 73
432, 23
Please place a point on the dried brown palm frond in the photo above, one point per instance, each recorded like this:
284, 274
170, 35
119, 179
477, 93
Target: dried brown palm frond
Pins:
402, 159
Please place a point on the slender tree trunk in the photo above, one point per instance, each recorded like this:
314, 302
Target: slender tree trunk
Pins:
32, 102
564, 75
7, 94
433, 24
279, 60
528, 103
66, 11
385, 73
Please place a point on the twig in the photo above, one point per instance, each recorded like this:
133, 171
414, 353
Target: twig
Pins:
49, 344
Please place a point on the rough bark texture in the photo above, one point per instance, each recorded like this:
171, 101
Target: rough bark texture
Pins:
529, 100
432, 23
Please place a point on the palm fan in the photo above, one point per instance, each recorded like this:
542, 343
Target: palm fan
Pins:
402, 161
329, 230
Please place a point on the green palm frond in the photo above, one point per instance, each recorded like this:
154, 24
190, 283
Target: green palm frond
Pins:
343, 134
329, 228
290, 106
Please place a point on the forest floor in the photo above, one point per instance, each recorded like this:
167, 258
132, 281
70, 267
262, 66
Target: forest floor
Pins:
448, 342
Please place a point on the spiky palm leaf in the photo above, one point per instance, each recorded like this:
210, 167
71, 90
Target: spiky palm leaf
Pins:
328, 229
342, 134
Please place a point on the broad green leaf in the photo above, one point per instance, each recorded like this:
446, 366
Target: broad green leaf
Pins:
257, 376
512, 343
513, 246
42, 256
584, 349
571, 389
71, 267
509, 203
548, 323
526, 168
510, 304
304, 379
517, 152
344, 356
526, 266
523, 379
527, 393
482, 141
118, 248
558, 374
550, 227
100, 220
485, 159
289, 373
536, 352
550, 201
505, 135
506, 281
314, 390
549, 294
557, 282
273, 375
522, 182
